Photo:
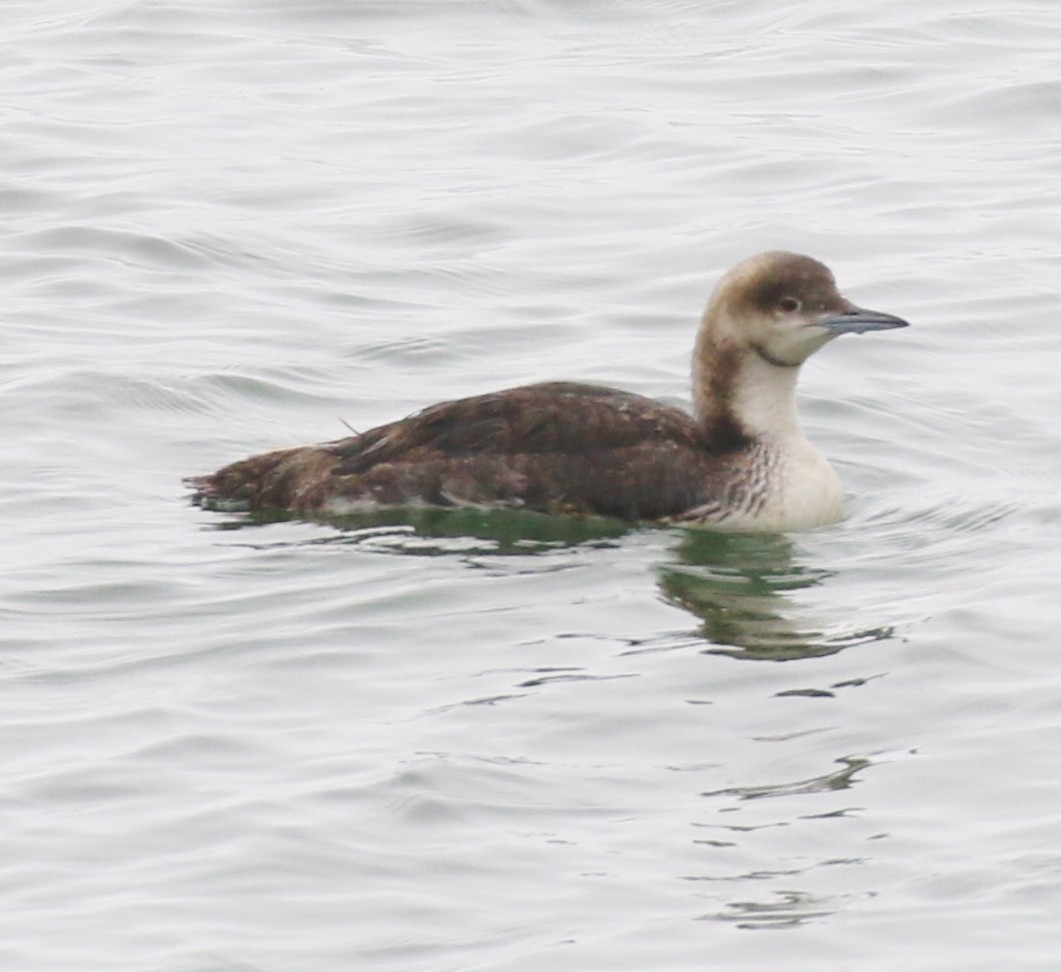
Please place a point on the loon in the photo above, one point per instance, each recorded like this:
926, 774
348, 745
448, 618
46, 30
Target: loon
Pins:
740, 461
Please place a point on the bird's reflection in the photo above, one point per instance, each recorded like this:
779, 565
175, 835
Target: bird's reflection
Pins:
743, 589
439, 530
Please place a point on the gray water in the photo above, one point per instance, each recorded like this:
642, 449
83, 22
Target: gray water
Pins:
471, 745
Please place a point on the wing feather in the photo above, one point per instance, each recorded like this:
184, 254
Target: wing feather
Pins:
552, 417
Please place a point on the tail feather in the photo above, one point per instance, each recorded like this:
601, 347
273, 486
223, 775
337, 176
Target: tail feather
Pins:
274, 480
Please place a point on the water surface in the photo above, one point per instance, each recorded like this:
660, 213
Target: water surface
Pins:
492, 745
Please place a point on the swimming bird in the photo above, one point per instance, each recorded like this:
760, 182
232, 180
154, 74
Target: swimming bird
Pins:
740, 461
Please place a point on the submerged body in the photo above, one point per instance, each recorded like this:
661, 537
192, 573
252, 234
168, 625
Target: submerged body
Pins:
740, 461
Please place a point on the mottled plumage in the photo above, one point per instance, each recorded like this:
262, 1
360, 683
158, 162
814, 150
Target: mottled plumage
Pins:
564, 447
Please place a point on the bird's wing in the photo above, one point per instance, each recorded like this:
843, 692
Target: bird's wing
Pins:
557, 417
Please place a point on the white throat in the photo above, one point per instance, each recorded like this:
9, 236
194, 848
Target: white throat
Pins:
740, 389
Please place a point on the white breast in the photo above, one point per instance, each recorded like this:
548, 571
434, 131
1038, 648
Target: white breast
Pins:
808, 492
788, 486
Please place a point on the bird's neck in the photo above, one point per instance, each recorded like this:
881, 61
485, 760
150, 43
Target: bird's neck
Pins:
741, 398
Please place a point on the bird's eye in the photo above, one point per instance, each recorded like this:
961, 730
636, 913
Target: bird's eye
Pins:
789, 305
